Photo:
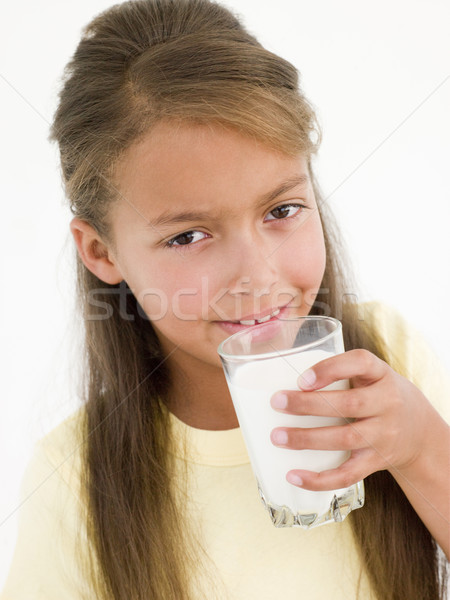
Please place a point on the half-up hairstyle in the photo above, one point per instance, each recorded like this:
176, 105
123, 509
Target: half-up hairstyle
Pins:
138, 63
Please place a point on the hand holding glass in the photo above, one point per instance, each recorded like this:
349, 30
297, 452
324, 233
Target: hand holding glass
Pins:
260, 361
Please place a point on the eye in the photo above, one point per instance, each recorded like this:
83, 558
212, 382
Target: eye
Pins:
284, 211
186, 239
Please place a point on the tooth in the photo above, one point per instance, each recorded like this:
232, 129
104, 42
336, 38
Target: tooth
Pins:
264, 319
276, 312
249, 322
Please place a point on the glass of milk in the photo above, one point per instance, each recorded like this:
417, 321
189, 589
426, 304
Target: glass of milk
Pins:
260, 361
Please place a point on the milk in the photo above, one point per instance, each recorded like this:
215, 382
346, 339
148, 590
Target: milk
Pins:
253, 385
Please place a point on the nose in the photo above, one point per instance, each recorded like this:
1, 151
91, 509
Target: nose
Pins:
250, 269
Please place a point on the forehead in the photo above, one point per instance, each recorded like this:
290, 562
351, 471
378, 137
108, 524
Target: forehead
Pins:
180, 166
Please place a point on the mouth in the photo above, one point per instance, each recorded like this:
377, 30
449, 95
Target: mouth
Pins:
257, 320
273, 314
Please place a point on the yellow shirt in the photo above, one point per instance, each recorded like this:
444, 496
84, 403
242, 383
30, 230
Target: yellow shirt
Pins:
248, 558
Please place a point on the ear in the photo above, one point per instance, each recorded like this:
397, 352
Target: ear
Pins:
94, 252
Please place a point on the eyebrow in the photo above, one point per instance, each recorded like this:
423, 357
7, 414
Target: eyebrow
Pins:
170, 218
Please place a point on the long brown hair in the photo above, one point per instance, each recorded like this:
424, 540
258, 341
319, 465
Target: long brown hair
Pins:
137, 63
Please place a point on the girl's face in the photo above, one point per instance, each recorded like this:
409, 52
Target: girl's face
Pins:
213, 228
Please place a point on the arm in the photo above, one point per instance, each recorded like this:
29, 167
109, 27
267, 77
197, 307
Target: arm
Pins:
426, 482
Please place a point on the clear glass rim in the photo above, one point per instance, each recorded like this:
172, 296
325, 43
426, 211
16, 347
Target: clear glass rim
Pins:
266, 355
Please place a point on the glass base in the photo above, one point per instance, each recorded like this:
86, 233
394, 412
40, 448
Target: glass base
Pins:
341, 505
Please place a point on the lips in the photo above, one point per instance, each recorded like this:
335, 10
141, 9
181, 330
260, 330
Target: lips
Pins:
255, 321
266, 317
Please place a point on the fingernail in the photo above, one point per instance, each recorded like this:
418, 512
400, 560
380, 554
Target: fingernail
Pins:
294, 478
279, 437
307, 379
279, 401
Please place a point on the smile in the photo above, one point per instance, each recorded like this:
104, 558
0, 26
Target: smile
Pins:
231, 327
260, 320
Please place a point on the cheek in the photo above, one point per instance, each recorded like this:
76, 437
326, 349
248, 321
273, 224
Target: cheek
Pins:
174, 292
305, 256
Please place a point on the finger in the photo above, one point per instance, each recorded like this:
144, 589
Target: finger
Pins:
341, 437
360, 464
354, 403
361, 366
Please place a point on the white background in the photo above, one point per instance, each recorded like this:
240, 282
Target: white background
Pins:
378, 74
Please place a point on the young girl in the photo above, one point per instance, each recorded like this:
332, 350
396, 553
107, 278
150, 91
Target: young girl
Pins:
186, 154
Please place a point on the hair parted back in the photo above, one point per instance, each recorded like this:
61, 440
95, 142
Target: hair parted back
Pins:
138, 63
141, 62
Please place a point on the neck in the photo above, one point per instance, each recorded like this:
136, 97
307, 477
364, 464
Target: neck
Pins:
202, 401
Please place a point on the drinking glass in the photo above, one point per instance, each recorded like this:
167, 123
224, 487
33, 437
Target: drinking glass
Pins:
266, 358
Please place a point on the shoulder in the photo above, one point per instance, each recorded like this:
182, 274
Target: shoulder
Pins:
399, 337
56, 462
51, 531
409, 352
67, 436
